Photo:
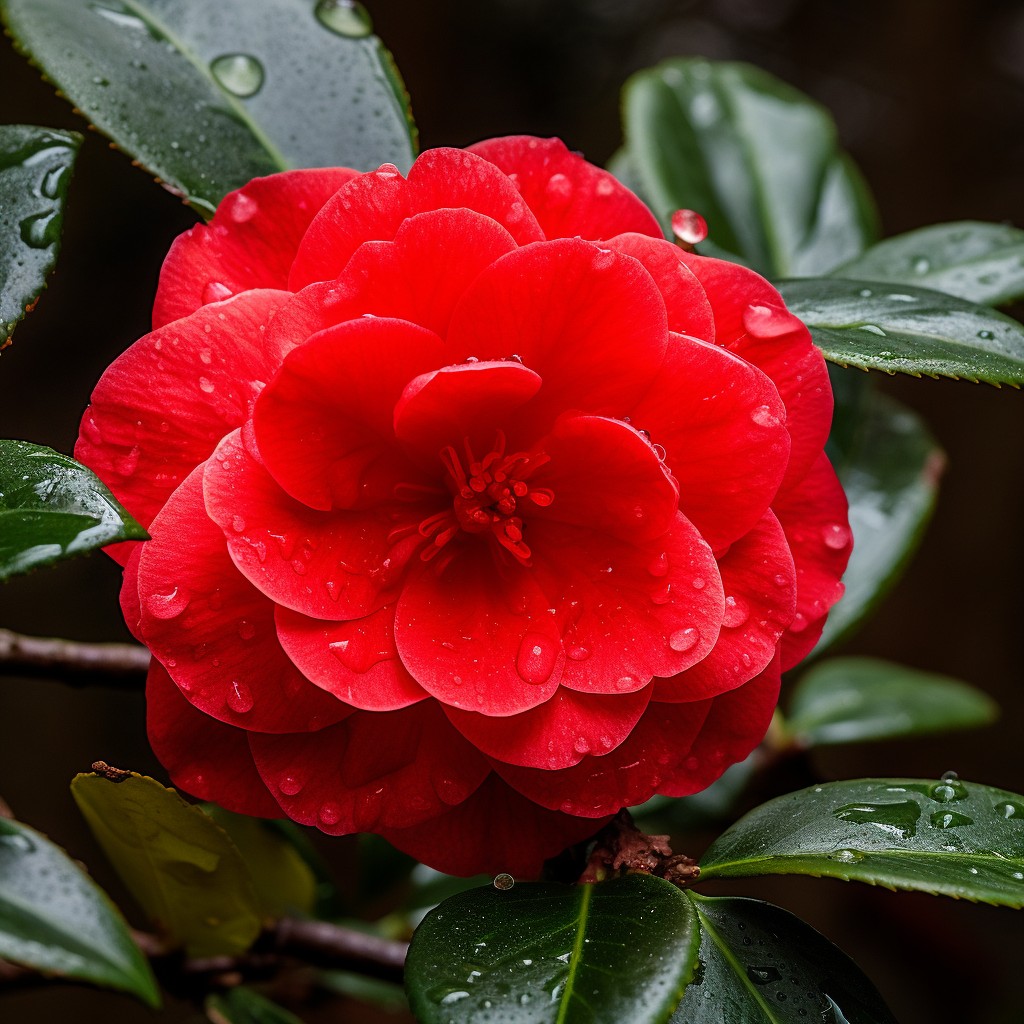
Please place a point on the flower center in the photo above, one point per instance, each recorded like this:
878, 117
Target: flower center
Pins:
489, 495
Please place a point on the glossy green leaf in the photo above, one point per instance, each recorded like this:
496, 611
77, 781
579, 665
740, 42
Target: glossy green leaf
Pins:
180, 866
756, 157
207, 96
54, 918
242, 1005
52, 507
621, 950
35, 170
762, 965
890, 471
904, 329
970, 259
848, 700
285, 884
941, 836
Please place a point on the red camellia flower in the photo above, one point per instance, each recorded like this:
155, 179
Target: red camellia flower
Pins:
478, 509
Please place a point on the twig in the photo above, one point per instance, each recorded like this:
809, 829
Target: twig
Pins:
76, 662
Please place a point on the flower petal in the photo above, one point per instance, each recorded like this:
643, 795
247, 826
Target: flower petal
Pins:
250, 242
356, 661
324, 423
722, 426
204, 757
373, 206
329, 565
375, 770
557, 734
591, 322
161, 407
760, 586
495, 830
214, 632
814, 516
568, 195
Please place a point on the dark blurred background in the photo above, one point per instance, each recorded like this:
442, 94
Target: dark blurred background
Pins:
929, 99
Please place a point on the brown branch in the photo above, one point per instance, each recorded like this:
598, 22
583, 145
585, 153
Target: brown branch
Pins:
72, 660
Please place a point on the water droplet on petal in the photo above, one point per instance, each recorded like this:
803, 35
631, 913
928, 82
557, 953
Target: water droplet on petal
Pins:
289, 785
536, 658
239, 697
837, 536
239, 73
659, 565
559, 188
345, 17
168, 606
684, 639
626, 683
329, 814
246, 629
763, 416
241, 208
736, 612
576, 652
215, 291
603, 259
581, 745
689, 226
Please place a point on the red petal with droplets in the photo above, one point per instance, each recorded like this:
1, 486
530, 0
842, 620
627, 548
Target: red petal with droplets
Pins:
628, 612
736, 723
589, 321
373, 206
557, 734
568, 195
329, 565
324, 423
204, 757
688, 307
628, 775
721, 424
356, 661
214, 632
161, 407
373, 771
814, 516
475, 633
250, 242
760, 586
495, 830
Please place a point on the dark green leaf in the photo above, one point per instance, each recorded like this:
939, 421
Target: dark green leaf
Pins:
244, 1006
180, 866
207, 96
54, 918
756, 157
890, 472
762, 965
35, 169
284, 882
385, 994
52, 507
944, 836
907, 329
970, 259
616, 951
847, 700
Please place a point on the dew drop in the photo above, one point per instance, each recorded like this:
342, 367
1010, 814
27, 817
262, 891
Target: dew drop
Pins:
763, 416
289, 785
950, 819
53, 180
559, 188
689, 226
922, 265
836, 536
329, 814
216, 291
239, 697
873, 329
345, 17
242, 208
1009, 809
684, 639
736, 612
536, 658
986, 335
168, 606
625, 684
898, 819
577, 652
846, 856
581, 745
603, 259
239, 73
246, 629
948, 790
659, 565
40, 230
662, 595
865, 293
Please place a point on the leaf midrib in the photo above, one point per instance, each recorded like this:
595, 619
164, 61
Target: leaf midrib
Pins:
577, 953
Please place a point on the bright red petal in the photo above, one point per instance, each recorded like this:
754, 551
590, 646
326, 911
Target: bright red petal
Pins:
589, 321
760, 586
373, 206
324, 423
214, 632
560, 732
356, 661
161, 407
814, 516
328, 565
721, 424
374, 771
203, 756
250, 243
568, 195
495, 830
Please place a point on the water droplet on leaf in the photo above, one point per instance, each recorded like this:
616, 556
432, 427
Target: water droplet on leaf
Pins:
345, 17
239, 73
